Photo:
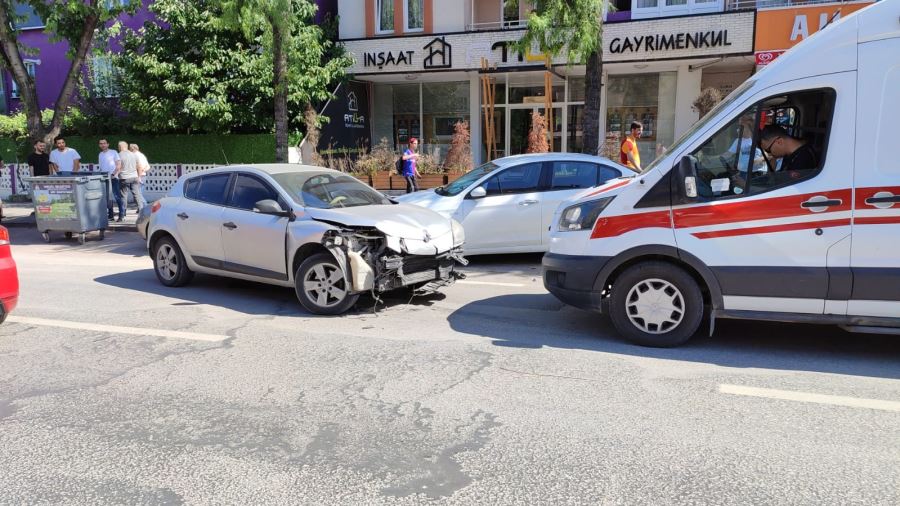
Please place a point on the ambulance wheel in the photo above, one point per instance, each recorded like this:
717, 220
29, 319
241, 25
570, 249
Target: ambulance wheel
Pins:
68, 235
656, 304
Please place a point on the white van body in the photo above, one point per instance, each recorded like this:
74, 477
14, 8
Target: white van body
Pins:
823, 247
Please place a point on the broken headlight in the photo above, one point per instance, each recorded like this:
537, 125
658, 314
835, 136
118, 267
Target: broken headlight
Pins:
459, 233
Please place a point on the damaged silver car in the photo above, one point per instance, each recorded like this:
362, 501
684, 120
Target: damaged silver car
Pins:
321, 231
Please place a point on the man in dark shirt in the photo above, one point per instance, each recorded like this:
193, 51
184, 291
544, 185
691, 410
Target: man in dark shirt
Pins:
39, 160
798, 158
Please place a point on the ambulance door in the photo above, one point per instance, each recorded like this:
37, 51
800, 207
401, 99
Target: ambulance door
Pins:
763, 228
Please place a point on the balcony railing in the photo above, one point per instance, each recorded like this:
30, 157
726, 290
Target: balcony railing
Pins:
497, 25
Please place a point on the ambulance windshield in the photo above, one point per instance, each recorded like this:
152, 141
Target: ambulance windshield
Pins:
724, 104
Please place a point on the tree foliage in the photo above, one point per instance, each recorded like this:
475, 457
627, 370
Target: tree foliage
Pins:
573, 28
80, 23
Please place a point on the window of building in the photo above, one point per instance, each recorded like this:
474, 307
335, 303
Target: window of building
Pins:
510, 12
648, 99
31, 68
414, 10
104, 78
384, 16
113, 4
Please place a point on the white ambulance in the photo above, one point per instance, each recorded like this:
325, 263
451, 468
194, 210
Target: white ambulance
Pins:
782, 204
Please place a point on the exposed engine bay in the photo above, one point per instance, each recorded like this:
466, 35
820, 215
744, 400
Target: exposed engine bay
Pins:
375, 261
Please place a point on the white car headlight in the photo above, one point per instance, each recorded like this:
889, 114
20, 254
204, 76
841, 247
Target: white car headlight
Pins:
459, 233
582, 216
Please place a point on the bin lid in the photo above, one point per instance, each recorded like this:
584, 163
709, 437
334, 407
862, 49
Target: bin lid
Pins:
68, 178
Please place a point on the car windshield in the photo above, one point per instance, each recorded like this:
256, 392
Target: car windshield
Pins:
702, 123
328, 190
458, 186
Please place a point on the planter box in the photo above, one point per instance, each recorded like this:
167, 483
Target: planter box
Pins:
381, 180
428, 181
453, 176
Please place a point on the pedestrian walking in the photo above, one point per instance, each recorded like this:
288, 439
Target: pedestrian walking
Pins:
410, 171
110, 163
628, 153
128, 179
143, 166
64, 158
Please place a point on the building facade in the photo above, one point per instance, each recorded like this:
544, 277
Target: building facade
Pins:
424, 60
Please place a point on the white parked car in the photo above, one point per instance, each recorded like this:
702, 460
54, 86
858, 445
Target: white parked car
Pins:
507, 205
320, 231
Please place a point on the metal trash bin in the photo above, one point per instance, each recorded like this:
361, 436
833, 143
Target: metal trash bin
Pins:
74, 203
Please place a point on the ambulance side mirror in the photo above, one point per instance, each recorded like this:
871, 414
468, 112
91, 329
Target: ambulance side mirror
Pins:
684, 190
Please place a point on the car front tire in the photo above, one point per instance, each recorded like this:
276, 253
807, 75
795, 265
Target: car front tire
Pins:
169, 263
321, 286
656, 304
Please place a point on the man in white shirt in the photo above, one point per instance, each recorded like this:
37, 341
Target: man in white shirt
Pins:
109, 162
129, 179
64, 159
143, 165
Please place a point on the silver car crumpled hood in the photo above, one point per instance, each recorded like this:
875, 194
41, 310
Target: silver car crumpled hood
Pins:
409, 229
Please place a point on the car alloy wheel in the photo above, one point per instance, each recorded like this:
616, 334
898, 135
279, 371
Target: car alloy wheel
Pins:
322, 287
167, 262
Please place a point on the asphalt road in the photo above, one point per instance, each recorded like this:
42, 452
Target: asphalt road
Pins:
114, 389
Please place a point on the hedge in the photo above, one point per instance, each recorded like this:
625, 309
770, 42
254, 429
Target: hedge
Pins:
201, 148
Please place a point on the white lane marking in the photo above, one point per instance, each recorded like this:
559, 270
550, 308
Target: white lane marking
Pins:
489, 283
787, 395
113, 329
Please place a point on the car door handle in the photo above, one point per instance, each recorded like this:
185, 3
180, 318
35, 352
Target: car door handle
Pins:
183, 216
528, 202
883, 200
820, 202
229, 225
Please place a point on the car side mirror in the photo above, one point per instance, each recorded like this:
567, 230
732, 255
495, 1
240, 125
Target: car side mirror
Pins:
478, 193
269, 206
684, 184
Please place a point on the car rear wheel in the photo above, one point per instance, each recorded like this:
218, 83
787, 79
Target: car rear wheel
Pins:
656, 304
321, 286
169, 264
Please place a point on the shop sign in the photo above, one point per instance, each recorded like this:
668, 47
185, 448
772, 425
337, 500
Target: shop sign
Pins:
347, 133
729, 33
767, 57
783, 28
437, 54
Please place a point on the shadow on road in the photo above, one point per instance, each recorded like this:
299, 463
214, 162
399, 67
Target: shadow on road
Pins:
540, 320
246, 296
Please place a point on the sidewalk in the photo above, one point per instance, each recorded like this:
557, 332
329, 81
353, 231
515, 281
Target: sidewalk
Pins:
18, 214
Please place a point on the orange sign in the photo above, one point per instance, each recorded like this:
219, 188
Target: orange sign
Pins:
783, 28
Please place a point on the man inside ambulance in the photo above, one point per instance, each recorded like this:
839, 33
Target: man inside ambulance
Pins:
797, 156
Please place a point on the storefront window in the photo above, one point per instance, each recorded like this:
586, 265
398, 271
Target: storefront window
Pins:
576, 129
576, 89
648, 99
427, 111
443, 105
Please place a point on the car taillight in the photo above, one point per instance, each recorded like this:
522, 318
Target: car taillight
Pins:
155, 207
4, 236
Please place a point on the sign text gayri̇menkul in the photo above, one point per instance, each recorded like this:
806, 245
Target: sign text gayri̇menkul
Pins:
382, 58
686, 40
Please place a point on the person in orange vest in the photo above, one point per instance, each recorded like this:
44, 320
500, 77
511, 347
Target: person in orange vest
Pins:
628, 153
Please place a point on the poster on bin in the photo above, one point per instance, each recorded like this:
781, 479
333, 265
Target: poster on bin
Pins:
55, 201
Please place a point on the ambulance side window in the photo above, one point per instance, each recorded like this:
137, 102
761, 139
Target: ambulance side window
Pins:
777, 142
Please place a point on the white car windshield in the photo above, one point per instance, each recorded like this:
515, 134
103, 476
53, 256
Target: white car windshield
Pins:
327, 190
466, 180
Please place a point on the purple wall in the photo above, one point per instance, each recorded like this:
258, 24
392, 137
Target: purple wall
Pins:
54, 66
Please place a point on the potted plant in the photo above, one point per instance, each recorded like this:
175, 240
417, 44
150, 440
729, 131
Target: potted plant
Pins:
459, 157
378, 165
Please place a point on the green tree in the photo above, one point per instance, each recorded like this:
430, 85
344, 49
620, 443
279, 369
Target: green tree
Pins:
74, 21
573, 28
298, 50
187, 72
